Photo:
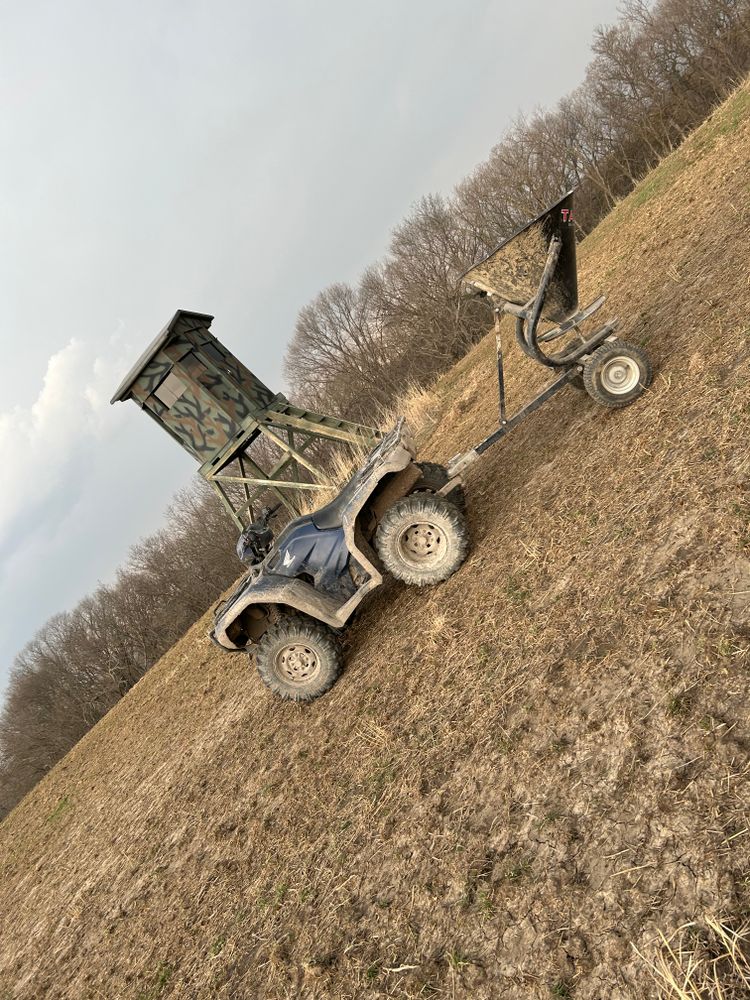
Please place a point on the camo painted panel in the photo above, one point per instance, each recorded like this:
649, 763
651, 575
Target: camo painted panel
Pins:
220, 392
195, 419
214, 352
260, 395
209, 412
156, 409
229, 398
200, 425
177, 348
155, 372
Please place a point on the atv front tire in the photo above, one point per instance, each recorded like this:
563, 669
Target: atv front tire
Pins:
422, 539
299, 658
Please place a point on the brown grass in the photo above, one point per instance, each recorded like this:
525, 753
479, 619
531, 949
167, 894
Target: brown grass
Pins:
525, 773
701, 961
418, 406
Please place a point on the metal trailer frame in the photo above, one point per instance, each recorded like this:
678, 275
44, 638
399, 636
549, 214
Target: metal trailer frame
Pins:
568, 362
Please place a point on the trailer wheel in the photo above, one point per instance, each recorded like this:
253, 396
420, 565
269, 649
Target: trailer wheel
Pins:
298, 658
617, 373
422, 539
434, 477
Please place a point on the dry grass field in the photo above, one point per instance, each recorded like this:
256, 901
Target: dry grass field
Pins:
532, 781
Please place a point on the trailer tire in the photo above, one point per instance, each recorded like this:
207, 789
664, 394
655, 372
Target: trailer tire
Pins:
434, 477
299, 658
422, 539
617, 373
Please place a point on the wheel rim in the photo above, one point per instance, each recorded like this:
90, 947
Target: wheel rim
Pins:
620, 375
421, 544
297, 663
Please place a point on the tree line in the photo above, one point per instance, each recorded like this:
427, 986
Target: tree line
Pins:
81, 662
654, 76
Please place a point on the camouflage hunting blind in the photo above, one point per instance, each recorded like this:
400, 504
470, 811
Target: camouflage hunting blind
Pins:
216, 408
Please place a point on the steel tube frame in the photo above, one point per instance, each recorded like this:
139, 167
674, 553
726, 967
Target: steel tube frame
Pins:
527, 321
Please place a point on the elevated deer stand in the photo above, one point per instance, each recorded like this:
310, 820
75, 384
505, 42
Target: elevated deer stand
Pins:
214, 406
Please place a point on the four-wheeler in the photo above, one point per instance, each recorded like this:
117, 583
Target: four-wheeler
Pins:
407, 518
394, 515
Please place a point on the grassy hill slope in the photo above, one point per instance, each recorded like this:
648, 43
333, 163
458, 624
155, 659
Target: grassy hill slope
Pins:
523, 773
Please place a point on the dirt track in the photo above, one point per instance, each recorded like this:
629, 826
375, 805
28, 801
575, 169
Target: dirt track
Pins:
523, 773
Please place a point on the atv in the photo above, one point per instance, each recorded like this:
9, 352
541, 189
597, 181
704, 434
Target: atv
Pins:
395, 515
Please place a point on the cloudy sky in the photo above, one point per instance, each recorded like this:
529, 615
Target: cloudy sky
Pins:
228, 157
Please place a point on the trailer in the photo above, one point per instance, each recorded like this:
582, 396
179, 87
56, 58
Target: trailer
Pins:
533, 276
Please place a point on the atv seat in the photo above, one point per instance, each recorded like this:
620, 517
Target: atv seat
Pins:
332, 514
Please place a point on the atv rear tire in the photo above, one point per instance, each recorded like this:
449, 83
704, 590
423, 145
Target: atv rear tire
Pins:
617, 373
299, 658
422, 539
434, 477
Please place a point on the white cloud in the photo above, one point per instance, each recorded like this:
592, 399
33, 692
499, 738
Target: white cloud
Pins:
87, 480
41, 443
